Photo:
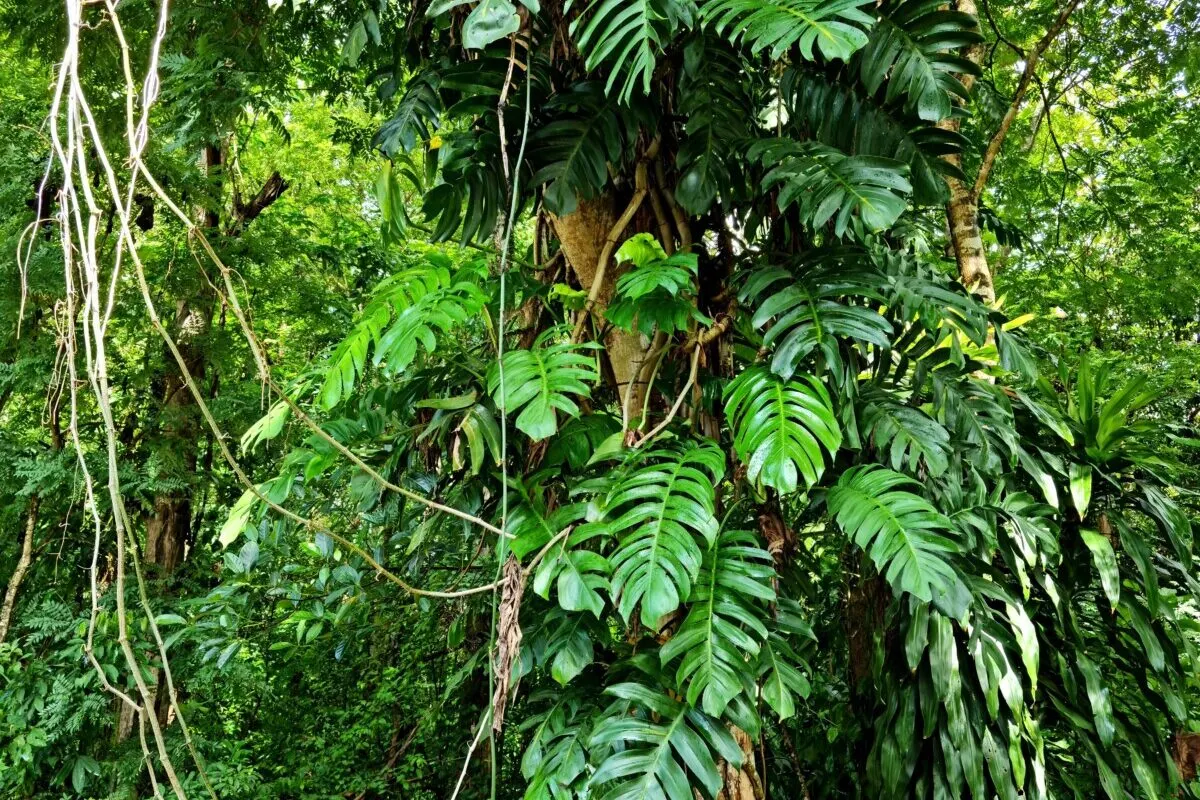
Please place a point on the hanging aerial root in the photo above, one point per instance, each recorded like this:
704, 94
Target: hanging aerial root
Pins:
508, 637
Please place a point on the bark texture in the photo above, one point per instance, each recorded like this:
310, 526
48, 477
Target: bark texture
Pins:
14, 582
962, 211
582, 235
744, 783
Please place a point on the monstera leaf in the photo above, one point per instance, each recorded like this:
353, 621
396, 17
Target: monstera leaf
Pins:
914, 48
835, 27
782, 429
659, 513
829, 186
902, 533
660, 748
723, 629
541, 381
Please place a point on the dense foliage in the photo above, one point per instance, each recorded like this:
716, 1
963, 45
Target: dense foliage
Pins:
624, 399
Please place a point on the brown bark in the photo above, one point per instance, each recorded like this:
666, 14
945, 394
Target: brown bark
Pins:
1187, 754
962, 210
245, 213
14, 582
744, 783
967, 239
582, 235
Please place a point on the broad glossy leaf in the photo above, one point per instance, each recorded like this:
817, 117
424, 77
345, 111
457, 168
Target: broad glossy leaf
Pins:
903, 534
782, 430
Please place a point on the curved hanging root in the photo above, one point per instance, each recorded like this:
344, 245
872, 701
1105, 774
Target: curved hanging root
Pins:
78, 238
264, 371
78, 230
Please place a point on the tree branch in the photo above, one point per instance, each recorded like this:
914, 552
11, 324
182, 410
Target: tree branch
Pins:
245, 213
1032, 58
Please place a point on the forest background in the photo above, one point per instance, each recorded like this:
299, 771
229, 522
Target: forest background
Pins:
747, 398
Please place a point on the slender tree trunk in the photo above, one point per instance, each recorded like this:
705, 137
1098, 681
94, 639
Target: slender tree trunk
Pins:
168, 532
962, 211
14, 582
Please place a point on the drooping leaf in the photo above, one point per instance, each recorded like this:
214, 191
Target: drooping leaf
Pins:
723, 629
902, 533
782, 430
657, 513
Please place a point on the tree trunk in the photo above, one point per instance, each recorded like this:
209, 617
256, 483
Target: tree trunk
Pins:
14, 582
168, 532
962, 211
967, 239
582, 235
744, 783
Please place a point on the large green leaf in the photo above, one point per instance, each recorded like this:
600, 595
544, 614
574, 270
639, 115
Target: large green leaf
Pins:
781, 670
829, 186
914, 48
1106, 564
540, 381
782, 430
586, 131
414, 301
713, 98
846, 117
656, 513
903, 534
658, 746
905, 436
835, 27
555, 760
657, 292
628, 36
825, 298
723, 629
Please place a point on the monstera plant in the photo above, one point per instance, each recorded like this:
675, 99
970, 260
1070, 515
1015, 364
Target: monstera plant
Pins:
710, 376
